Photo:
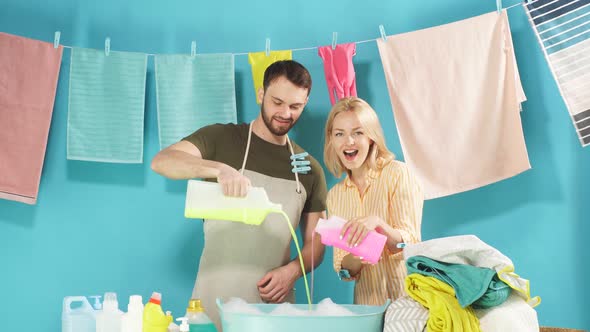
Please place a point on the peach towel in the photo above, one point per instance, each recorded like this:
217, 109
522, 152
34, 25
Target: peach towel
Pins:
456, 94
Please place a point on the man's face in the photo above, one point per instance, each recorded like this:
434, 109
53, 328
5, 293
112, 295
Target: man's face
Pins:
282, 104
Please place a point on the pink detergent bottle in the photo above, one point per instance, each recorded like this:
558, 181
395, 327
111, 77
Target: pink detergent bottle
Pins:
369, 249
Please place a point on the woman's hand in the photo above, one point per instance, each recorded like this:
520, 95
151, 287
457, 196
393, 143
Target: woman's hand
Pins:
358, 228
353, 264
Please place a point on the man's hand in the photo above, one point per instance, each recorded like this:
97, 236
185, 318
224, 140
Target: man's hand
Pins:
276, 284
232, 182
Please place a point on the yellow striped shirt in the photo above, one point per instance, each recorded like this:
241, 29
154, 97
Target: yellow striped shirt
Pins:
395, 195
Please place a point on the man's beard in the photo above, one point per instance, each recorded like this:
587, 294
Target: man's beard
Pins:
268, 123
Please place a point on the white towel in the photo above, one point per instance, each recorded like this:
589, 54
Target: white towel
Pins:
514, 315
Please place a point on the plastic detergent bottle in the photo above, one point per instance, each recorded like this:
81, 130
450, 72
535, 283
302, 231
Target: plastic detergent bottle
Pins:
109, 319
205, 200
132, 320
198, 321
369, 249
81, 318
154, 319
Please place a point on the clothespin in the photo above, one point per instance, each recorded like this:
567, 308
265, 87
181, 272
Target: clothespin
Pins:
267, 46
193, 48
499, 6
382, 31
107, 46
299, 156
56, 39
334, 39
300, 165
301, 169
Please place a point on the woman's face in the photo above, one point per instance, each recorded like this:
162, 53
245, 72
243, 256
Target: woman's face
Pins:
350, 141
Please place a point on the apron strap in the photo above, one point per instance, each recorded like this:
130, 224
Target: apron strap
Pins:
248, 149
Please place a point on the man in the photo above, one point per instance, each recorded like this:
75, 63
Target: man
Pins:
238, 260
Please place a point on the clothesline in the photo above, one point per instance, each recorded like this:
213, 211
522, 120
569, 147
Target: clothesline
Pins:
316, 47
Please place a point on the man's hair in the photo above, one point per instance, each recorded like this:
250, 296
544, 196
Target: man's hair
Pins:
291, 70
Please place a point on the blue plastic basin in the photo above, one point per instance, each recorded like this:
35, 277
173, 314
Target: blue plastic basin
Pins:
367, 319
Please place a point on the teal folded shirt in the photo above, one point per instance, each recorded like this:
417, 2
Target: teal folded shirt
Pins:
473, 285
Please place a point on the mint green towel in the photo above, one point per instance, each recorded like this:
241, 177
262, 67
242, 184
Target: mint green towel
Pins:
106, 106
193, 92
469, 282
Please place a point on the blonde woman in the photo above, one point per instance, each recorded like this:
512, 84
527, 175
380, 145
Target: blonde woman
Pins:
378, 193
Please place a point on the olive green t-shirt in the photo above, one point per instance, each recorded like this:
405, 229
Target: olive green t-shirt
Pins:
226, 143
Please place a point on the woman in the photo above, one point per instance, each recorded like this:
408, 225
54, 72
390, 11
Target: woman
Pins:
378, 193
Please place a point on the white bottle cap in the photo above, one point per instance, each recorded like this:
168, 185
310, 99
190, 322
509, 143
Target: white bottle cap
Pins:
184, 324
157, 296
135, 299
110, 302
135, 303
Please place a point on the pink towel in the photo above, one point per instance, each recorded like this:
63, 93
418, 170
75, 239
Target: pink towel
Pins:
339, 70
456, 95
29, 70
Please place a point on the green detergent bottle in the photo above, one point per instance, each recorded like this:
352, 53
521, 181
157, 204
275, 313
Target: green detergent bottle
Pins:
205, 200
198, 321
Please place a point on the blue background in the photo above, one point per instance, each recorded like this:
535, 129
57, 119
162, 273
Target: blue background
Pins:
108, 227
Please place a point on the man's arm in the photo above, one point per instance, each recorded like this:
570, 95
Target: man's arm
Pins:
277, 284
183, 160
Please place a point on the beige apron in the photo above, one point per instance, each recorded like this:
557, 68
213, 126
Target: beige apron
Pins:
236, 256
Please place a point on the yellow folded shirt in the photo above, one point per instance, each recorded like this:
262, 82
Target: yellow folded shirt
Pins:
445, 312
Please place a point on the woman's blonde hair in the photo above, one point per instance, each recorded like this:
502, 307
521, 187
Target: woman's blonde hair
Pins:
378, 155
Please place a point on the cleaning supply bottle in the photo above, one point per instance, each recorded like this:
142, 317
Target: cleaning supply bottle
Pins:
184, 324
109, 319
369, 249
154, 319
205, 200
198, 320
80, 318
132, 320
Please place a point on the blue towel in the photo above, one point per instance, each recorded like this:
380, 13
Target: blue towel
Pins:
193, 92
469, 282
106, 110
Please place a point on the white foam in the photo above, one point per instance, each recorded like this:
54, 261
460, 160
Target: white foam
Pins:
237, 305
287, 309
326, 307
